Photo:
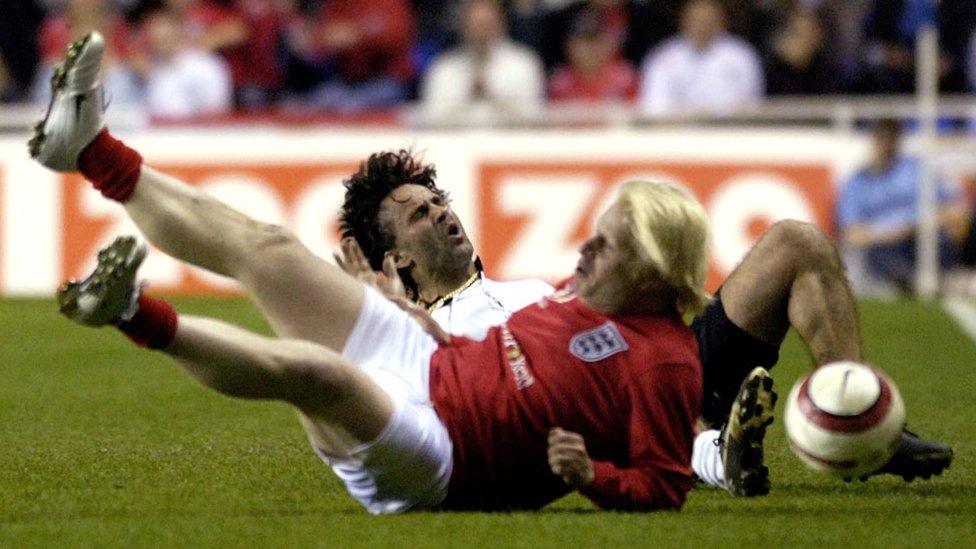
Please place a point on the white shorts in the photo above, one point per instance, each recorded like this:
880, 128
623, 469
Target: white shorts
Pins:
409, 465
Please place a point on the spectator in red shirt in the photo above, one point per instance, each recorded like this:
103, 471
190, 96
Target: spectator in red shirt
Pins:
594, 72
365, 49
246, 34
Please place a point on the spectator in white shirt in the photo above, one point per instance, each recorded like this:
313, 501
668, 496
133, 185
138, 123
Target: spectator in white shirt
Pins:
181, 81
703, 68
487, 76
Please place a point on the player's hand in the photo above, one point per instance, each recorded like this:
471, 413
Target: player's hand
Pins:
568, 458
353, 261
392, 287
390, 282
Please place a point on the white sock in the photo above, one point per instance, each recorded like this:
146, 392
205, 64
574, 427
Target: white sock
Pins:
706, 458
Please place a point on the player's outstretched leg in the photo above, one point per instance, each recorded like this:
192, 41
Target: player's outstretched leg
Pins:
794, 277
301, 295
743, 462
340, 407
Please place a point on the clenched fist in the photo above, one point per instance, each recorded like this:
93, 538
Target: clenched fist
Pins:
568, 458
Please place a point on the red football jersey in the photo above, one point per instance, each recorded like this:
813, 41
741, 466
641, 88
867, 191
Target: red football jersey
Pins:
630, 385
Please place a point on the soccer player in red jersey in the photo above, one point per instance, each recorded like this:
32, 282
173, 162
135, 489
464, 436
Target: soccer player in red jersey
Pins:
358, 403
596, 388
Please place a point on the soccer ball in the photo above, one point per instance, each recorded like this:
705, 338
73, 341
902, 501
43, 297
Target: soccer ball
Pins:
844, 418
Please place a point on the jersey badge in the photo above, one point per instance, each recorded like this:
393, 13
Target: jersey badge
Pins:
597, 343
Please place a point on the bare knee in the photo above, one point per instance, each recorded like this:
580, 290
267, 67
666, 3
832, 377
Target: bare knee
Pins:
805, 245
271, 240
270, 236
265, 246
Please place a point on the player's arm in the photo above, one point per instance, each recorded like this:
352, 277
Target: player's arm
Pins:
603, 482
664, 403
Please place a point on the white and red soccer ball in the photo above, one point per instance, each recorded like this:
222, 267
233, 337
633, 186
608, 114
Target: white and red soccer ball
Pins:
844, 418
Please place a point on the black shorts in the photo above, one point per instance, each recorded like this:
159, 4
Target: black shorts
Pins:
727, 355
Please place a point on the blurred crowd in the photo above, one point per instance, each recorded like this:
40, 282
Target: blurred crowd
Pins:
191, 58
878, 217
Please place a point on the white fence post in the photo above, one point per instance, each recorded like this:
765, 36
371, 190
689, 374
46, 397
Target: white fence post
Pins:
927, 96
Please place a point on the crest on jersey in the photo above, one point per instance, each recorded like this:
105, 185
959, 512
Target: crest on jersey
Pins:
597, 343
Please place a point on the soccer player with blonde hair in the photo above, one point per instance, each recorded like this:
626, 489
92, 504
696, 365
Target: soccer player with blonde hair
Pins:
594, 388
792, 277
664, 224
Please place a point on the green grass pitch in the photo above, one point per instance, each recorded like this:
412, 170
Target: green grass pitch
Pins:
107, 445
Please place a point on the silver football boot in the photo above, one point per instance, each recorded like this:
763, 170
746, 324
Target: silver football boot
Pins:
746, 474
76, 112
110, 294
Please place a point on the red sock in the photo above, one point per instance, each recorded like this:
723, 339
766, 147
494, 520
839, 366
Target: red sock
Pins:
154, 324
111, 166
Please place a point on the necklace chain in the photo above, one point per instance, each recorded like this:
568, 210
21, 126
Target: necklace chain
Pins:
444, 298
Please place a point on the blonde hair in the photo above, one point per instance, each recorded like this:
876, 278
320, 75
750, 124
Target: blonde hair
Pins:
669, 229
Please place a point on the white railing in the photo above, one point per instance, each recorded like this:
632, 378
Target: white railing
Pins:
841, 112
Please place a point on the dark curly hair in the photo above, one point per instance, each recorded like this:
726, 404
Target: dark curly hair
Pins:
376, 178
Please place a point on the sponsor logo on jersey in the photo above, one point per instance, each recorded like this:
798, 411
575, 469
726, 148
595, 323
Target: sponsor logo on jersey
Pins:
516, 360
597, 343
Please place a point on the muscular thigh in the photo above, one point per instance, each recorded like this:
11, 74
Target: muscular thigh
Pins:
755, 295
345, 411
302, 296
